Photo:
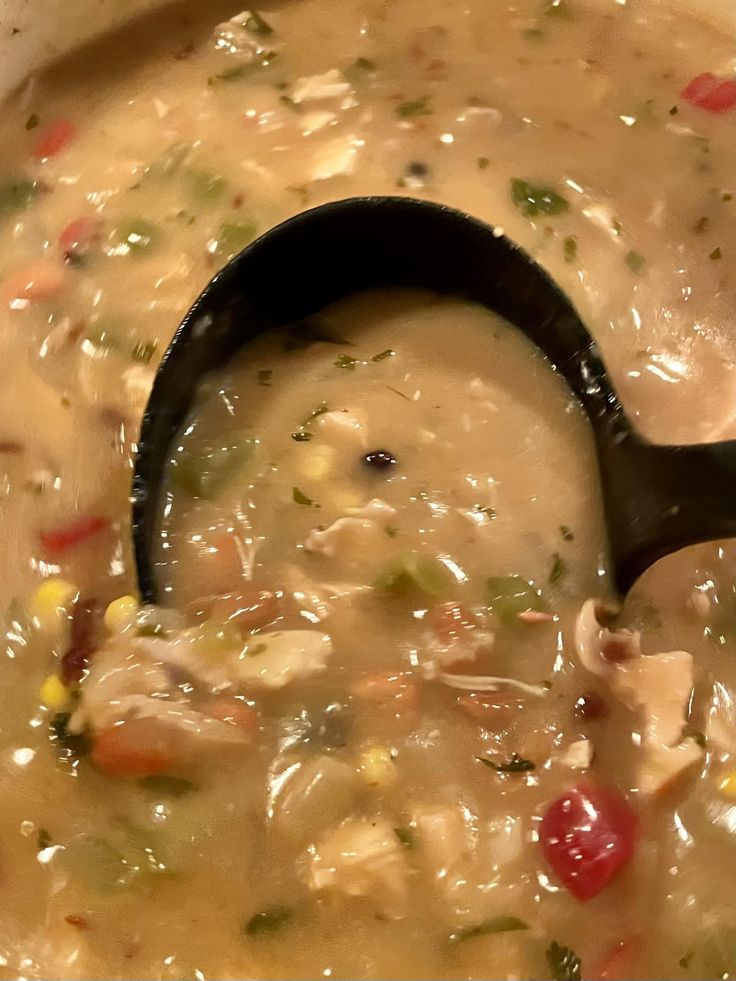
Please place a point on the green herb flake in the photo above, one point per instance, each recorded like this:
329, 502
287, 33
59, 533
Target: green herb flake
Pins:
559, 569
497, 924
33, 120
364, 65
319, 411
415, 571
206, 186
567, 533
635, 261
152, 630
301, 437
16, 195
509, 596
396, 391
532, 34
715, 254
166, 785
346, 362
43, 839
563, 963
534, 200
256, 649
229, 74
391, 531
684, 961
488, 513
673, 110
264, 376
232, 237
483, 163
726, 196
414, 107
135, 236
269, 920
257, 25
360, 70
204, 472
515, 764
570, 248
381, 356
406, 836
144, 352
299, 497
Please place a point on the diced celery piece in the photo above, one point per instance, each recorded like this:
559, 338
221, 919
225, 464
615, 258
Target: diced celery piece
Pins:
415, 570
508, 596
207, 471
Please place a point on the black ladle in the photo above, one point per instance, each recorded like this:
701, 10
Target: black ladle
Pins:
657, 498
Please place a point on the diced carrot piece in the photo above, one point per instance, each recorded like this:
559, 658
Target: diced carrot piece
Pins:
79, 237
54, 138
58, 541
449, 621
250, 607
40, 280
234, 711
492, 709
139, 748
393, 690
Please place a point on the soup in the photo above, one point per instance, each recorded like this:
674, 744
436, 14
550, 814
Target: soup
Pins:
387, 721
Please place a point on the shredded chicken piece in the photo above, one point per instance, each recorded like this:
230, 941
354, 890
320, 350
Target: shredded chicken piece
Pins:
331, 84
267, 661
375, 510
342, 429
658, 686
362, 857
471, 682
578, 755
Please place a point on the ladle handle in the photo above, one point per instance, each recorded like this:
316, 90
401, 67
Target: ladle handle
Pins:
661, 498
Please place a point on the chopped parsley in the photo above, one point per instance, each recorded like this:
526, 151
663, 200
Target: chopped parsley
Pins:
488, 513
558, 570
388, 353
144, 352
33, 120
635, 261
515, 764
319, 411
268, 920
483, 163
257, 25
563, 963
715, 254
360, 68
673, 110
264, 376
74, 744
43, 839
406, 836
497, 924
299, 497
570, 248
301, 437
414, 107
346, 362
536, 199
532, 34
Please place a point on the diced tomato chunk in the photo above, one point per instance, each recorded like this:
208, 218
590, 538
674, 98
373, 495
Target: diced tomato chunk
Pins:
709, 92
393, 690
80, 236
54, 138
587, 836
234, 711
139, 748
40, 280
58, 541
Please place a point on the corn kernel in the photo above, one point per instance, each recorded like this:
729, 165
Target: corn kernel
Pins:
53, 693
377, 766
48, 605
727, 786
121, 613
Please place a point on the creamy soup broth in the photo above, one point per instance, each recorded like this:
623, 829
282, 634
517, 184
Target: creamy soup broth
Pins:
398, 807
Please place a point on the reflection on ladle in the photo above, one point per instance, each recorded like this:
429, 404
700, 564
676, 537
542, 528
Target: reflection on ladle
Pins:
657, 498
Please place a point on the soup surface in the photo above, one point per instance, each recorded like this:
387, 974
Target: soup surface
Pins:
384, 725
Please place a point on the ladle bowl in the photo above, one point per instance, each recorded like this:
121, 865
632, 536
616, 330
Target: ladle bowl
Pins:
657, 498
